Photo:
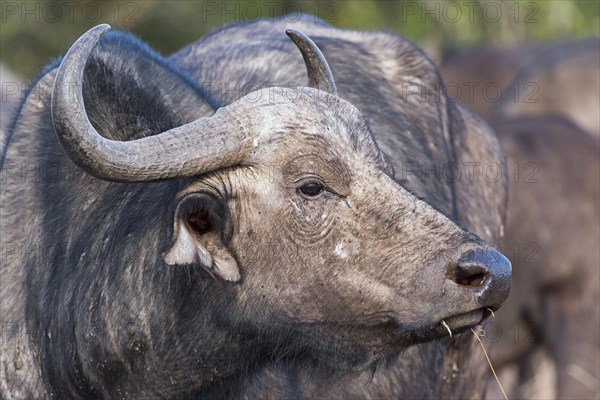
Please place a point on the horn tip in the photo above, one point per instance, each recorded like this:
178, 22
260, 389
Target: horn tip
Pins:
98, 30
295, 35
101, 27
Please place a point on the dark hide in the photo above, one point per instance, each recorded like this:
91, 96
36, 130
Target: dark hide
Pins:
64, 319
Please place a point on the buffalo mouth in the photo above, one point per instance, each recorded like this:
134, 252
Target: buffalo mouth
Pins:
461, 322
363, 346
451, 326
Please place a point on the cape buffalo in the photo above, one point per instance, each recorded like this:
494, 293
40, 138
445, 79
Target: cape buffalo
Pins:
479, 77
552, 237
562, 80
547, 332
542, 79
155, 248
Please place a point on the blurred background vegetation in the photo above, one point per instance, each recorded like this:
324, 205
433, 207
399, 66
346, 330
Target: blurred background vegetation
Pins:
34, 32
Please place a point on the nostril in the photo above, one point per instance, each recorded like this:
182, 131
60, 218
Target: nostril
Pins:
469, 273
470, 280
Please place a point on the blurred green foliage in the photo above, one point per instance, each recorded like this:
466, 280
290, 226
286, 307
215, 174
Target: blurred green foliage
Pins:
34, 32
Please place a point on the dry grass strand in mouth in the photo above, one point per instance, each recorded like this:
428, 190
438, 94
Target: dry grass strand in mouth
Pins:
489, 363
447, 327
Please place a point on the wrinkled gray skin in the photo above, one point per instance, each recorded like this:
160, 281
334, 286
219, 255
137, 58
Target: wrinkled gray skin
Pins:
328, 284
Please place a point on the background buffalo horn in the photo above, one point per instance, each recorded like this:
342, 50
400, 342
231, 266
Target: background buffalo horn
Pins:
319, 73
200, 146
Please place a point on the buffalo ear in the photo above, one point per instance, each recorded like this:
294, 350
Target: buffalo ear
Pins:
198, 232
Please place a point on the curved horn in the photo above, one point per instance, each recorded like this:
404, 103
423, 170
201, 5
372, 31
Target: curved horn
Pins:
319, 73
200, 146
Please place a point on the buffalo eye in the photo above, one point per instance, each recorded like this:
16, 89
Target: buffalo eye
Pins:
311, 189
